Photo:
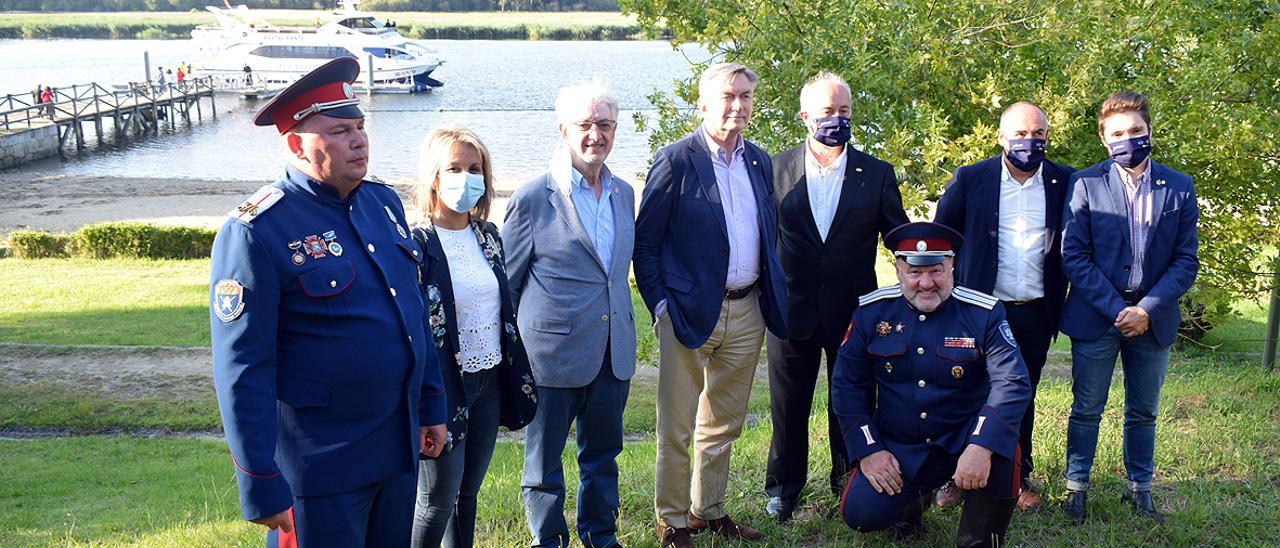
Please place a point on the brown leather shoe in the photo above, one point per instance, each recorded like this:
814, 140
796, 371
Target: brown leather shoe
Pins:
948, 495
724, 527
675, 537
1028, 500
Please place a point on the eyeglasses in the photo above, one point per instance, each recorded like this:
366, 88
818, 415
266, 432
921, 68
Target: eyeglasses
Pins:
602, 125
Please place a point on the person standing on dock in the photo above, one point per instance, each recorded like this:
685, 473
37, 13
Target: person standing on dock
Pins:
326, 373
46, 98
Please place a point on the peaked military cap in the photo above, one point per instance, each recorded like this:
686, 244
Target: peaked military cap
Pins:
922, 243
325, 90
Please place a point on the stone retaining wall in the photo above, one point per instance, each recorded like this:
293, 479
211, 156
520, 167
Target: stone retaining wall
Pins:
25, 146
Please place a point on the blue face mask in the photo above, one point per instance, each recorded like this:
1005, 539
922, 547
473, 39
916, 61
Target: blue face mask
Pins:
1026, 154
1130, 153
461, 191
832, 131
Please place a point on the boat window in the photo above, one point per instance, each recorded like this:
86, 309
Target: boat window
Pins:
388, 53
300, 52
359, 23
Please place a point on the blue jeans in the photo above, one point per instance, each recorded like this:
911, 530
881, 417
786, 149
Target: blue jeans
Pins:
597, 409
448, 484
1092, 363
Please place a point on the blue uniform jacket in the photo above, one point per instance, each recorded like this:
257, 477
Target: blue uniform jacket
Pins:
682, 244
1097, 252
971, 206
946, 379
322, 361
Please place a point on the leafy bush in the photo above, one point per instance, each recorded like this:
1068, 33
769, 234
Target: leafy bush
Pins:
139, 240
35, 244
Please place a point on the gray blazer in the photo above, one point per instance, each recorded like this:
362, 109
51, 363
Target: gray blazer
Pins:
567, 308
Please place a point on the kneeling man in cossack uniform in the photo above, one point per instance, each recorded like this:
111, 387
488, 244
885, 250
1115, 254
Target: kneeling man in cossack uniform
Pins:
952, 389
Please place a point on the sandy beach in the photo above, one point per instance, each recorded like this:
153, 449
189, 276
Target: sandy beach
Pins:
66, 203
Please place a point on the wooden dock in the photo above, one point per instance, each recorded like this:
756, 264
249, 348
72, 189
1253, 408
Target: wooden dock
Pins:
136, 109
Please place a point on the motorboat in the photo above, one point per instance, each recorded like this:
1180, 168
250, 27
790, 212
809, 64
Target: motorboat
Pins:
244, 52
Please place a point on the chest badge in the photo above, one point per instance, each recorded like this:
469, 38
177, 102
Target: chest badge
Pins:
957, 371
395, 221
314, 246
888, 367
883, 328
898, 328
298, 258
958, 342
334, 247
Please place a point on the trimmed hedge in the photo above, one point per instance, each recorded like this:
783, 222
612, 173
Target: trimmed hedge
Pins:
112, 240
34, 244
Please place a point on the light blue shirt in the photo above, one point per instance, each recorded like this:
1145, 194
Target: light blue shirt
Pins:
738, 200
595, 214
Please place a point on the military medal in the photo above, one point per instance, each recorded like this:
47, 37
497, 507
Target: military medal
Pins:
298, 258
314, 246
395, 221
888, 367
958, 342
883, 328
400, 229
898, 327
957, 371
334, 247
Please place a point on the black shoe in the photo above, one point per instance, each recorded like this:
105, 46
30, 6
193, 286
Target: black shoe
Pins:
984, 520
1076, 505
1142, 505
911, 517
780, 509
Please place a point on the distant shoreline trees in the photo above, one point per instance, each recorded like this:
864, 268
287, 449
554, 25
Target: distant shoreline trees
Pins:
371, 5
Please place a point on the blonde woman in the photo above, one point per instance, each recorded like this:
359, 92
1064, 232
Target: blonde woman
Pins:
483, 362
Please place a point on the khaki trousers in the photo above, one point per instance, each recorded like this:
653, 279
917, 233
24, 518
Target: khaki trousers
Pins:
710, 385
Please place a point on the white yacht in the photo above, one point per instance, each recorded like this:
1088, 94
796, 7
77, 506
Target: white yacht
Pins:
243, 52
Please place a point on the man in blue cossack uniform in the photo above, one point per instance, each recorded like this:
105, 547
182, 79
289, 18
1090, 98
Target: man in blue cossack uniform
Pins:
326, 374
952, 389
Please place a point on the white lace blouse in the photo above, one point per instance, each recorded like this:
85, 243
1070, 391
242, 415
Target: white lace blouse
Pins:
475, 300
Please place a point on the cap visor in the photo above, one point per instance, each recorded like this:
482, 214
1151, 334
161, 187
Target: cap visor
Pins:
349, 111
924, 260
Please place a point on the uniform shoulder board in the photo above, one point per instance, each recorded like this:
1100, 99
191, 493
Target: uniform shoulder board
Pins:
890, 292
253, 206
973, 297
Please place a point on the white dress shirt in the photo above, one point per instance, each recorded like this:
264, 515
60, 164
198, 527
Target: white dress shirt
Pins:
1021, 239
738, 199
824, 185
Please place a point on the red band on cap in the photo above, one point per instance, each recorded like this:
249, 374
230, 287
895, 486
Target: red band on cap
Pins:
931, 244
282, 114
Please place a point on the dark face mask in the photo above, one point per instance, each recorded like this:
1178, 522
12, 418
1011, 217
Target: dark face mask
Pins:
832, 131
1129, 153
1026, 154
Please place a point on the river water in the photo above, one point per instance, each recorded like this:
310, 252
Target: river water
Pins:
503, 90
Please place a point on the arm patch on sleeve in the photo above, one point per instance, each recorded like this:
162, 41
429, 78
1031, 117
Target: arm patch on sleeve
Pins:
1007, 332
228, 300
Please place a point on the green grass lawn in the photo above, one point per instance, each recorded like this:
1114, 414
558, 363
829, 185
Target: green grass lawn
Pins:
1218, 444
1218, 468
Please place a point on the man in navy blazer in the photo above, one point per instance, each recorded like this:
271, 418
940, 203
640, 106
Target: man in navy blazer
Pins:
706, 266
1129, 250
1009, 208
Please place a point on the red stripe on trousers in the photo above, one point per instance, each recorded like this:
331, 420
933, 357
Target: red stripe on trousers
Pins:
1017, 471
847, 485
290, 539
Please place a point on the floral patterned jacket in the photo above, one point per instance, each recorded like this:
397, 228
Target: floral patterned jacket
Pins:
515, 378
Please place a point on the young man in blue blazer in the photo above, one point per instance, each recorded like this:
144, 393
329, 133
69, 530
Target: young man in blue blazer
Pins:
1129, 250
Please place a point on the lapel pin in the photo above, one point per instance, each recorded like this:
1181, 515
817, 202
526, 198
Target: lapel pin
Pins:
755, 163
1053, 181
858, 169
1159, 182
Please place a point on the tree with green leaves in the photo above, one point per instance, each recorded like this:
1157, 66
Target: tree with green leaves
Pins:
930, 79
